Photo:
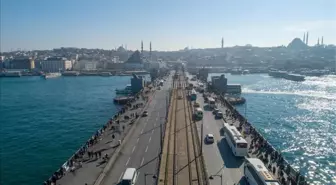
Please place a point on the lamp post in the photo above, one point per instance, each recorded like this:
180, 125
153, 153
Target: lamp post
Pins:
221, 176
146, 174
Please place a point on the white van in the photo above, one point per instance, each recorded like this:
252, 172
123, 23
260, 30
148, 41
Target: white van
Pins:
130, 177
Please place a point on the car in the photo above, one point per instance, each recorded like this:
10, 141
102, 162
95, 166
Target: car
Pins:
215, 110
209, 138
196, 104
145, 113
219, 115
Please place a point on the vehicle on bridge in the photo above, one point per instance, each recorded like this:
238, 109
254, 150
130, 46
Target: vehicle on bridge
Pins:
235, 140
193, 95
198, 113
256, 173
212, 103
130, 177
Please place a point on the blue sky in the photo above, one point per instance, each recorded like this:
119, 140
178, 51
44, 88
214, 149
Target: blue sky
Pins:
169, 24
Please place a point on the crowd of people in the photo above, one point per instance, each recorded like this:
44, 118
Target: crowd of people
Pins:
262, 149
87, 150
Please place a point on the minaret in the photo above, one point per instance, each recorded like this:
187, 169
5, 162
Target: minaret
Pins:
318, 41
322, 41
222, 42
150, 50
141, 47
307, 38
304, 38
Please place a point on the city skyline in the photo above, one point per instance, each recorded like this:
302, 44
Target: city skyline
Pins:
169, 26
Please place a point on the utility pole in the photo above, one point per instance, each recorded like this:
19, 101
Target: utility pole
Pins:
201, 152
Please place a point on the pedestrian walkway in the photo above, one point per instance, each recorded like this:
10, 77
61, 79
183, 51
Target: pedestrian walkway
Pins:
259, 147
87, 164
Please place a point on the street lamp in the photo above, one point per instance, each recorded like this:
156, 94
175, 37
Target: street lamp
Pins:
146, 174
221, 176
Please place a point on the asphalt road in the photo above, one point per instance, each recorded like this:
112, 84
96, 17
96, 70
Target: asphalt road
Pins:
142, 150
218, 157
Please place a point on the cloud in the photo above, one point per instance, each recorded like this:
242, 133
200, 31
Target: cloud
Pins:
312, 26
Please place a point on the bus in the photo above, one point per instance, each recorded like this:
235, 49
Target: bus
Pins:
198, 113
212, 103
193, 95
256, 173
235, 140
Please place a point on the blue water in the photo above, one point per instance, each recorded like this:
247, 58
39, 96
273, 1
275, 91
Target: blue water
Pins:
43, 122
298, 118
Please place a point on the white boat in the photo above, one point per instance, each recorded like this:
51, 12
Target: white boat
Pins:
52, 75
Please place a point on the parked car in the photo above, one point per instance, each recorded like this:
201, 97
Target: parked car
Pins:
209, 138
145, 114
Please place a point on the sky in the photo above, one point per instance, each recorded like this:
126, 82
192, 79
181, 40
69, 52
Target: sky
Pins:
168, 24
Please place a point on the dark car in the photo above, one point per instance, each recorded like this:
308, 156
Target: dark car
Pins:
145, 113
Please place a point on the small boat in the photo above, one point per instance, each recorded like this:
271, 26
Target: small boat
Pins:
51, 75
127, 90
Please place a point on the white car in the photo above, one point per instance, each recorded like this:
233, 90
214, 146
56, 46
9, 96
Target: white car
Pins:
209, 138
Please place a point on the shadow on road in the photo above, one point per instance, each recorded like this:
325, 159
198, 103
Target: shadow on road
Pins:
230, 161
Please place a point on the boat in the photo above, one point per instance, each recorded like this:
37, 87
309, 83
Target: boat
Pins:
295, 77
51, 75
11, 74
277, 74
127, 90
105, 74
287, 76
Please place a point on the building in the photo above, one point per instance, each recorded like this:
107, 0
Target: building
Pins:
219, 83
137, 83
90, 65
56, 64
21, 63
134, 62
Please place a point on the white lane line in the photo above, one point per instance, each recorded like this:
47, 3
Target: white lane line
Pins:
152, 131
154, 124
133, 149
146, 149
150, 138
141, 131
142, 161
120, 176
138, 140
127, 161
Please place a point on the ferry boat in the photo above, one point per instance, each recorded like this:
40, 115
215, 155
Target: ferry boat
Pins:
51, 75
105, 74
295, 77
11, 74
287, 76
127, 90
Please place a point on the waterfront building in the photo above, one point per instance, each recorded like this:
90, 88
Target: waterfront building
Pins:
134, 62
219, 83
137, 83
90, 65
56, 64
21, 63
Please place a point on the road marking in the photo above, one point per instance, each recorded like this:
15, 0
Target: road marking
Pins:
150, 138
120, 176
152, 131
146, 149
138, 140
142, 161
133, 149
141, 131
127, 161
154, 124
